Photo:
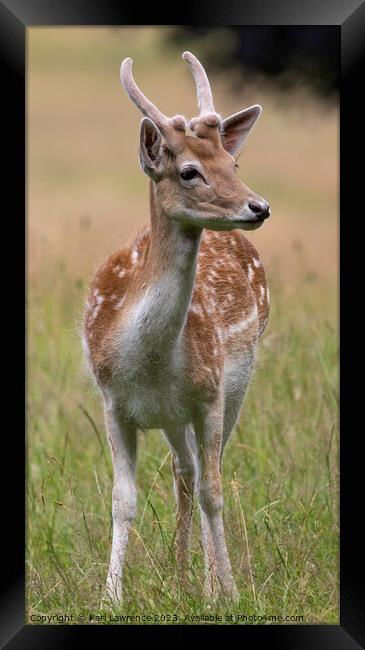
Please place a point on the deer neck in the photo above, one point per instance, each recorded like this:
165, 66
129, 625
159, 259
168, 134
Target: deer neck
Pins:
169, 275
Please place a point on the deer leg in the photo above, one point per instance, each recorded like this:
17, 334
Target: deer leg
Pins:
232, 406
209, 429
211, 586
184, 474
212, 583
234, 398
211, 578
123, 445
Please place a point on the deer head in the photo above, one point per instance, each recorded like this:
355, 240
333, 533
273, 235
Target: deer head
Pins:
195, 174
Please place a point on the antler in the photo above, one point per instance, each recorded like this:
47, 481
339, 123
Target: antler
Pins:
203, 90
207, 114
168, 126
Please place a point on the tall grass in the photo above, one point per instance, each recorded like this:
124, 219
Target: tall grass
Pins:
280, 475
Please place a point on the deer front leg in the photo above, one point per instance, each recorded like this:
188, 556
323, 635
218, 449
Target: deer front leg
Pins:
183, 467
123, 445
208, 429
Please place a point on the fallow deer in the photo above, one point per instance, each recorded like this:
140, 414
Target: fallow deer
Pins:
172, 322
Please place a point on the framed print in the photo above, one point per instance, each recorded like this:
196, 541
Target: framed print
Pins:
183, 470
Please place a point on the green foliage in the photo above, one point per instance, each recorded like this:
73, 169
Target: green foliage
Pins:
280, 475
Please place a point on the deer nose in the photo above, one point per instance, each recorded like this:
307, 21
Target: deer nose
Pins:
260, 208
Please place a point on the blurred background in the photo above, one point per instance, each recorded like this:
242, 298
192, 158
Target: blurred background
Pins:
86, 192
86, 197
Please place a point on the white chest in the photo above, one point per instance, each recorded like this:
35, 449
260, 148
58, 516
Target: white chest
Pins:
149, 383
153, 399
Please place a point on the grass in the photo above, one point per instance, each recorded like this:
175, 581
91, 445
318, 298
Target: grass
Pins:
86, 194
280, 475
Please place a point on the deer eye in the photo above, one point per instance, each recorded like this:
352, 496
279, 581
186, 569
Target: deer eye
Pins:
189, 173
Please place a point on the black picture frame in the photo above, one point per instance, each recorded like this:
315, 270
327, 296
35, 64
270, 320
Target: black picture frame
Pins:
349, 18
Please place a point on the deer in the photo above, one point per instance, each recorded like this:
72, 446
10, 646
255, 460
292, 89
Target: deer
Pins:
172, 322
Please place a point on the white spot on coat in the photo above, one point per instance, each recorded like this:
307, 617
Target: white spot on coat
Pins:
241, 326
120, 302
196, 309
262, 294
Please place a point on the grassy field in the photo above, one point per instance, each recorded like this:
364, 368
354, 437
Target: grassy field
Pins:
85, 195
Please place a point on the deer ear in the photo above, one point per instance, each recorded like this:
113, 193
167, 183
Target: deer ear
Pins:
151, 152
235, 129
